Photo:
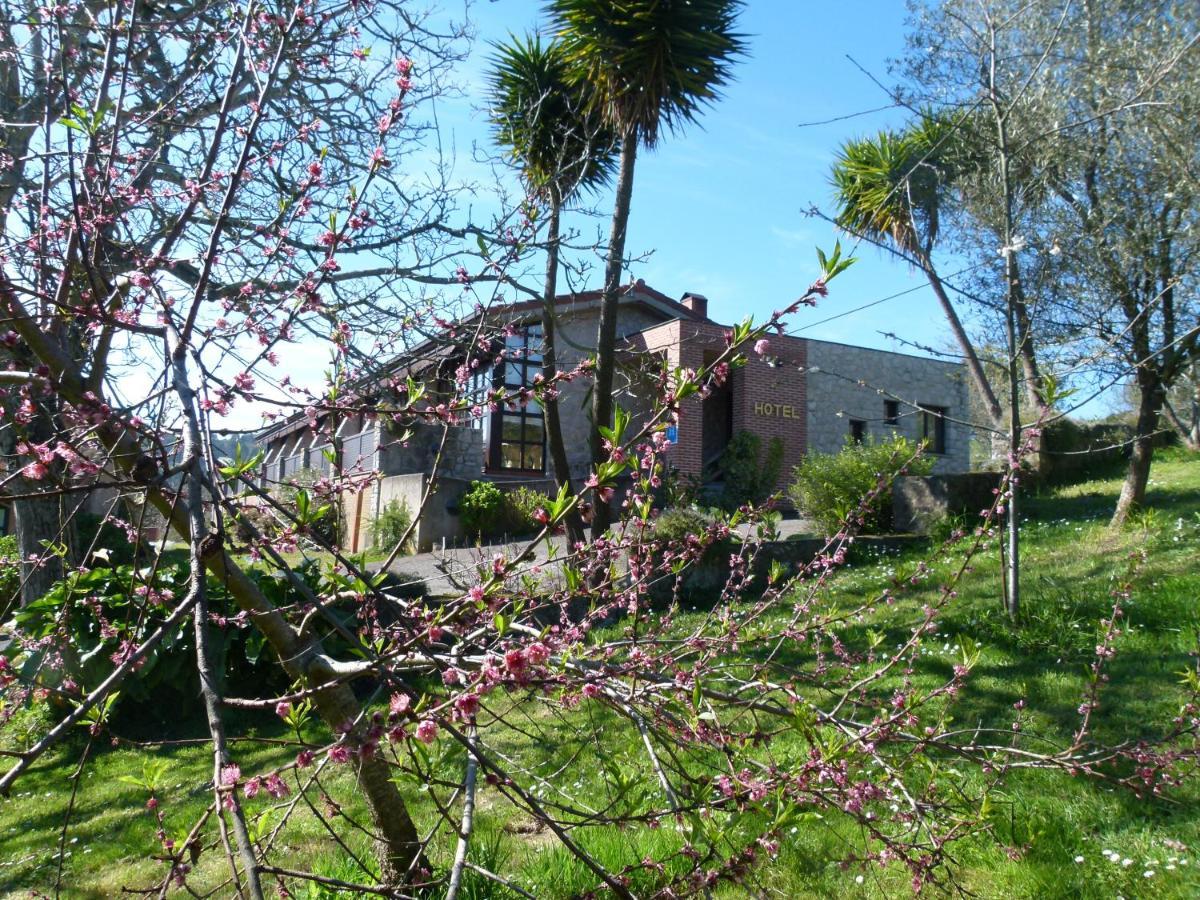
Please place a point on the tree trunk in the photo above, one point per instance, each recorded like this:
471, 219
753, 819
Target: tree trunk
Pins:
1133, 491
1034, 392
36, 523
1189, 429
40, 521
1189, 434
974, 366
558, 449
606, 334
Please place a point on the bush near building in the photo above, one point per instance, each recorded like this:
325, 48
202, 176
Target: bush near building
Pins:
828, 487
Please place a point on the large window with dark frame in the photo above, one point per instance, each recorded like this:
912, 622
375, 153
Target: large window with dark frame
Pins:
933, 427
514, 435
520, 440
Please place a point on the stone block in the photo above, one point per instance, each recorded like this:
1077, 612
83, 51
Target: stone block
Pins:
918, 501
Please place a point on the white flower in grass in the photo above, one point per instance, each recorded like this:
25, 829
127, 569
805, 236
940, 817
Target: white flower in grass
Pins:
1079, 859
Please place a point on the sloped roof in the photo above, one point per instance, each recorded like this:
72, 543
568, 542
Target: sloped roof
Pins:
435, 350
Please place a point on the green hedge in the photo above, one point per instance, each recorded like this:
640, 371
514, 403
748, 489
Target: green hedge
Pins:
828, 487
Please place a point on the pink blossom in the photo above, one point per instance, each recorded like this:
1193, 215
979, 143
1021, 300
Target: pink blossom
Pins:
35, 471
762, 346
427, 731
399, 704
277, 787
466, 705
283, 709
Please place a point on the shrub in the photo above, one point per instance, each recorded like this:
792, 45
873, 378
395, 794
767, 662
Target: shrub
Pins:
100, 533
115, 608
10, 572
519, 508
827, 487
319, 518
748, 475
481, 508
391, 525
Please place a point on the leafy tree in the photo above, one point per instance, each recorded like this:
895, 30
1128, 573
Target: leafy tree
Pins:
646, 65
1098, 105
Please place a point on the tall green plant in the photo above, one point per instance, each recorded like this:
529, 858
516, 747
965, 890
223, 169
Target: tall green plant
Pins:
888, 188
562, 147
748, 474
647, 64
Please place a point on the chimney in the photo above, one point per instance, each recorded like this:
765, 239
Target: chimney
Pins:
697, 303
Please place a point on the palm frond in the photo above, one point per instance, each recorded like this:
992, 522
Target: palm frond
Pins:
540, 114
649, 63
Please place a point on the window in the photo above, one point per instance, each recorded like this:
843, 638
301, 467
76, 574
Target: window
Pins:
891, 412
858, 430
514, 435
519, 441
933, 427
359, 449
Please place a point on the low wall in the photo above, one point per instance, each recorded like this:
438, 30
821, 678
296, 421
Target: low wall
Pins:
703, 583
918, 501
439, 519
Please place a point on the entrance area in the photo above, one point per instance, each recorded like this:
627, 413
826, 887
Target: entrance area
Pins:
716, 423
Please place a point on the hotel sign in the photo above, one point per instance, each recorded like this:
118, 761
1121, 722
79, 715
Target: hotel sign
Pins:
776, 410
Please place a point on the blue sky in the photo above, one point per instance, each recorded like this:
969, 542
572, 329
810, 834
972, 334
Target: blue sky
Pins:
721, 206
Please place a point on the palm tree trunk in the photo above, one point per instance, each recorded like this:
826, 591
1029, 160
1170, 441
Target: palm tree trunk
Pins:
1133, 491
554, 437
986, 394
606, 334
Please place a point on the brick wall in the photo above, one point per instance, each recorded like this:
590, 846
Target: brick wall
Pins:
769, 394
770, 399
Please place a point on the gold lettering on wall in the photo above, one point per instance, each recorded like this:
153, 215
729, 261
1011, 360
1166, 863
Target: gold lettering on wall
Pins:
775, 410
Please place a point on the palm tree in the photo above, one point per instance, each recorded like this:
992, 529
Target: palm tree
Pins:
646, 64
562, 148
889, 188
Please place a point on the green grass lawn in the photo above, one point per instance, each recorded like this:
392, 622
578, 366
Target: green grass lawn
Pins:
1052, 835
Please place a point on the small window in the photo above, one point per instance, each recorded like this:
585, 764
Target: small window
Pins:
933, 428
858, 430
891, 412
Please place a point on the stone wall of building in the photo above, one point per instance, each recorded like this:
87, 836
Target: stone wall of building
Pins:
462, 455
848, 383
575, 341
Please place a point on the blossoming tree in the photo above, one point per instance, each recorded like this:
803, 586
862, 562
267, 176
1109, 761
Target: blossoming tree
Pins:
198, 188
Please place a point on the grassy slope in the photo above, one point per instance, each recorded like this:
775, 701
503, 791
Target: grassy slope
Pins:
1070, 560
